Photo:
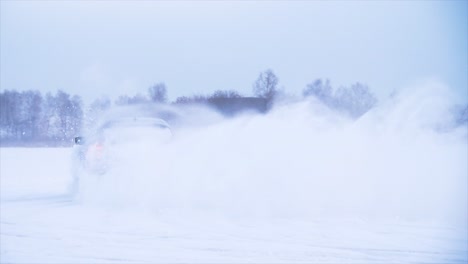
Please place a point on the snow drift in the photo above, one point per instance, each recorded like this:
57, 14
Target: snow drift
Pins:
402, 159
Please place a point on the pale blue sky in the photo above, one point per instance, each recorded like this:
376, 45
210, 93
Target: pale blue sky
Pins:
95, 48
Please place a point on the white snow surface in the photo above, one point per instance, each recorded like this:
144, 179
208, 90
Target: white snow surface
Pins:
299, 185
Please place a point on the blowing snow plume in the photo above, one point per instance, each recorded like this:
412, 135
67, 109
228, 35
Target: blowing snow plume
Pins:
403, 159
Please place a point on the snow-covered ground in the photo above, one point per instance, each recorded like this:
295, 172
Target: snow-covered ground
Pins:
40, 223
297, 185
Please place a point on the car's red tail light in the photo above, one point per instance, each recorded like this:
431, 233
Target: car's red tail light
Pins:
95, 151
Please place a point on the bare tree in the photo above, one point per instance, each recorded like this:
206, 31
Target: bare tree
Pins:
266, 85
320, 89
158, 93
225, 94
131, 100
355, 100
194, 99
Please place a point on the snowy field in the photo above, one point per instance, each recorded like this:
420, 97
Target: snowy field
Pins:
283, 188
40, 223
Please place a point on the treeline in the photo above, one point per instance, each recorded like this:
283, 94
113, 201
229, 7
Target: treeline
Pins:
31, 118
353, 101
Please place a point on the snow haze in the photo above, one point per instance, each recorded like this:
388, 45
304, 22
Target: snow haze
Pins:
233, 131
302, 183
304, 159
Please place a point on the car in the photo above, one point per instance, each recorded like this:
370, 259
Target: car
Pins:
96, 153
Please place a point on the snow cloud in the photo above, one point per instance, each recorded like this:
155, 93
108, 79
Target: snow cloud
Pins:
403, 159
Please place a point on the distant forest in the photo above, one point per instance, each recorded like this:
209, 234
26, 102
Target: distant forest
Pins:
29, 118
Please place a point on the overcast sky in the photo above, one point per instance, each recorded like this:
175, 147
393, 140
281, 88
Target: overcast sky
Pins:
96, 48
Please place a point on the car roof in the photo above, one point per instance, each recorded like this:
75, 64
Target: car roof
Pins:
136, 121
